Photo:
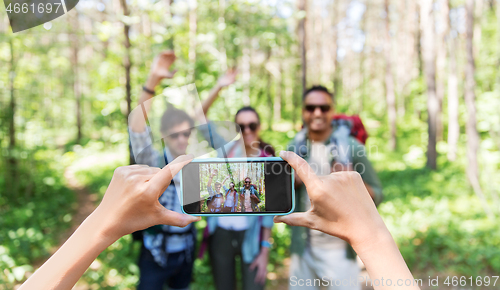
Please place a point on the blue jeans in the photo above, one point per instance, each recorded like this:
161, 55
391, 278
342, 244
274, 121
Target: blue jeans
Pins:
176, 275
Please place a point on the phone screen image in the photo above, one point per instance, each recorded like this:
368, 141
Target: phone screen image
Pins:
245, 187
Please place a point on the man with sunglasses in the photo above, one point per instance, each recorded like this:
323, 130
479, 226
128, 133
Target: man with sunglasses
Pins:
249, 198
167, 252
323, 142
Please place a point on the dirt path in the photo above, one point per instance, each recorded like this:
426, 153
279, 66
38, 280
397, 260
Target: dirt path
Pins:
85, 204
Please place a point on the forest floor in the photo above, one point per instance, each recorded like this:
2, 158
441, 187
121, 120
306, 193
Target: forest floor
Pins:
86, 203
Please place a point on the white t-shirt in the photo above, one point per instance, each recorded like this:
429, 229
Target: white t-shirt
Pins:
233, 223
230, 199
248, 201
319, 161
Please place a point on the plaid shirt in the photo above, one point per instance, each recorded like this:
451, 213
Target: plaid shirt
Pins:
161, 240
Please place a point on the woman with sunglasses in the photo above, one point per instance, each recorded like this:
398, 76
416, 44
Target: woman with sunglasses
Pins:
230, 199
246, 118
243, 236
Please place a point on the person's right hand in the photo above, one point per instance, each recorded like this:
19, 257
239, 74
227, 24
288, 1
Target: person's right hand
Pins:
228, 78
160, 69
340, 205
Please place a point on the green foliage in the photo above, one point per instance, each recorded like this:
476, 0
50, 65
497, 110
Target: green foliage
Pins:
434, 216
31, 223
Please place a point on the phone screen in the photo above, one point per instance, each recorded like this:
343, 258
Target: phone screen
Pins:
245, 187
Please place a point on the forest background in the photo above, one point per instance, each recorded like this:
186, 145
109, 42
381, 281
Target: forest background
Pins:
423, 76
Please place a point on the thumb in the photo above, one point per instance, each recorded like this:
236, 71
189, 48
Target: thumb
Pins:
171, 73
253, 265
173, 218
301, 219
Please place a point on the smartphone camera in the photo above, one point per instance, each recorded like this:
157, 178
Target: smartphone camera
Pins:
237, 187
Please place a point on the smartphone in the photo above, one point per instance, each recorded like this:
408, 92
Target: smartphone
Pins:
237, 186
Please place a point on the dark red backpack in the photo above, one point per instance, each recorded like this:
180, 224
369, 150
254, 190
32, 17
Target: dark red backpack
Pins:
358, 130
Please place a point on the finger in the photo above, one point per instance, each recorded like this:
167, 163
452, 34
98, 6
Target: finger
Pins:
253, 265
171, 73
300, 219
167, 53
257, 276
162, 179
138, 166
173, 218
260, 278
304, 171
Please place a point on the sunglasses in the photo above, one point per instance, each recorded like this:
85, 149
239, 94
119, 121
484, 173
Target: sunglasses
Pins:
247, 181
186, 134
252, 126
312, 108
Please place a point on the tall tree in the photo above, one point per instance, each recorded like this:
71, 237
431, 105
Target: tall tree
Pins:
337, 74
472, 170
74, 28
389, 78
127, 64
301, 31
222, 25
192, 39
12, 158
453, 126
443, 16
429, 59
498, 35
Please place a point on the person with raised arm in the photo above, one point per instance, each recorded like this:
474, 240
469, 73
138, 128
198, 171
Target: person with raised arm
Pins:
229, 237
167, 252
230, 199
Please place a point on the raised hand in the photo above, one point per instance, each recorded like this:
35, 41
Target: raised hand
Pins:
160, 68
228, 78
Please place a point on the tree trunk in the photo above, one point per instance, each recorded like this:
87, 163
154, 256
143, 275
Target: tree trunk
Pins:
268, 89
429, 58
279, 89
337, 81
192, 40
74, 28
302, 41
470, 103
498, 36
127, 64
245, 67
441, 61
12, 179
453, 126
362, 60
478, 15
222, 49
389, 79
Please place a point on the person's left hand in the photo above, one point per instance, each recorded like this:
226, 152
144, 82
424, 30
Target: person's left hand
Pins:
131, 200
260, 263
